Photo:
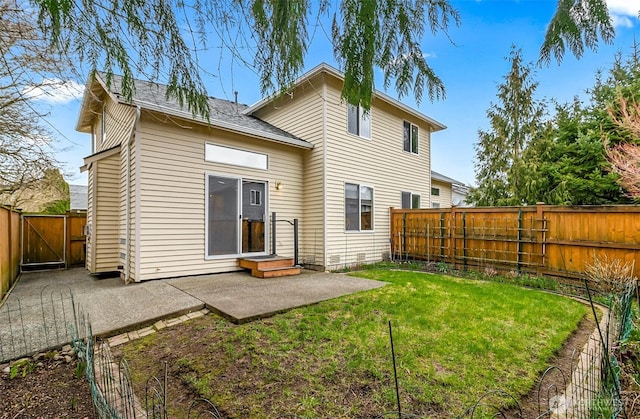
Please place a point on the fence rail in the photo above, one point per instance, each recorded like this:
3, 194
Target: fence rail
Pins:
539, 239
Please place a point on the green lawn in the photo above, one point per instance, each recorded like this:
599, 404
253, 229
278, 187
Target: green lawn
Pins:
454, 339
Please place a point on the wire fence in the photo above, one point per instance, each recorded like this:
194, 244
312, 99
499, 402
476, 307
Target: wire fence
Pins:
43, 323
589, 387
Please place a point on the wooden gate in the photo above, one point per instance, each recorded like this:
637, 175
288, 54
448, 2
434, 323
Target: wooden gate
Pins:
53, 241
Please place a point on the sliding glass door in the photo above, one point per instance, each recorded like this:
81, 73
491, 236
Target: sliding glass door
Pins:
236, 216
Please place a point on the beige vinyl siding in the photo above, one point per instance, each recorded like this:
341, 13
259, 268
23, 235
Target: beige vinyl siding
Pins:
119, 120
90, 250
133, 165
172, 198
300, 113
127, 196
380, 163
445, 193
122, 210
107, 213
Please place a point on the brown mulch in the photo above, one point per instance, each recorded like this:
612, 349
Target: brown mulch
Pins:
51, 390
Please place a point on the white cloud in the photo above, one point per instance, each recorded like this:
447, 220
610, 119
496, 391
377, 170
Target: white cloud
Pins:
621, 21
624, 7
623, 12
55, 91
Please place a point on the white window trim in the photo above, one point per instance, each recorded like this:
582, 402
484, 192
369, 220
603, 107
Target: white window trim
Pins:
411, 126
419, 198
267, 232
211, 148
411, 199
436, 188
373, 208
360, 117
206, 215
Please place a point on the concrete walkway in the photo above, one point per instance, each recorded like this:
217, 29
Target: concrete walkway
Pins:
113, 307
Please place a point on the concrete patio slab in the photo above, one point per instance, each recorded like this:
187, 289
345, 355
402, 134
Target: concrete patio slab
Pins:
110, 305
113, 307
242, 298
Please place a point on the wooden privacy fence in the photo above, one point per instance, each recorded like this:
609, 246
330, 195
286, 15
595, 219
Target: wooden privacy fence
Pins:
53, 241
540, 239
9, 248
36, 241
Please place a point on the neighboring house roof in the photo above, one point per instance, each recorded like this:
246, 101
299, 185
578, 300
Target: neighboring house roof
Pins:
442, 178
153, 97
78, 197
326, 68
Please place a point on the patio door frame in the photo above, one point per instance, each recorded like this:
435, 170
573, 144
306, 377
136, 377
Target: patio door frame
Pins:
239, 216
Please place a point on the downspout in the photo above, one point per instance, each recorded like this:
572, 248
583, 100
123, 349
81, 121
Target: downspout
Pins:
325, 262
132, 138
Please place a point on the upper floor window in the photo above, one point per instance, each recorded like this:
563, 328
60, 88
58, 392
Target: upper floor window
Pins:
358, 122
410, 137
410, 200
435, 191
358, 207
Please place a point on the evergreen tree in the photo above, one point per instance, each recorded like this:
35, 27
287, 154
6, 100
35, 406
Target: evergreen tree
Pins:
568, 165
515, 121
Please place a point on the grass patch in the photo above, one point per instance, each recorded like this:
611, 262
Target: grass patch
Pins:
455, 339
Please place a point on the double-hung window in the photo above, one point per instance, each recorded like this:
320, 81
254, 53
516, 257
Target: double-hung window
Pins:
410, 200
358, 122
410, 137
358, 207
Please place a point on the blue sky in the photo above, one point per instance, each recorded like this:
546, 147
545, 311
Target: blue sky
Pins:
471, 70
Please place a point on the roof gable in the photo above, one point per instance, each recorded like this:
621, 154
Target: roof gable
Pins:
153, 97
331, 71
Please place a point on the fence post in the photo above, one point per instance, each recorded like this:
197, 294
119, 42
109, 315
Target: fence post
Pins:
464, 241
452, 238
519, 255
404, 235
442, 236
540, 237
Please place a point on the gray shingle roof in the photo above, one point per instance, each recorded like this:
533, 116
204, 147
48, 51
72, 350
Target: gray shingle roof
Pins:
224, 113
442, 178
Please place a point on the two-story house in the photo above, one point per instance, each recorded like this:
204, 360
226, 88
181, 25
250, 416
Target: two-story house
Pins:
170, 194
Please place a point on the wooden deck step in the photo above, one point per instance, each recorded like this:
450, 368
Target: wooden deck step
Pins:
270, 266
266, 262
275, 272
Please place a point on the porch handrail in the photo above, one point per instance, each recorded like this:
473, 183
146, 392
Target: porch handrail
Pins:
294, 223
